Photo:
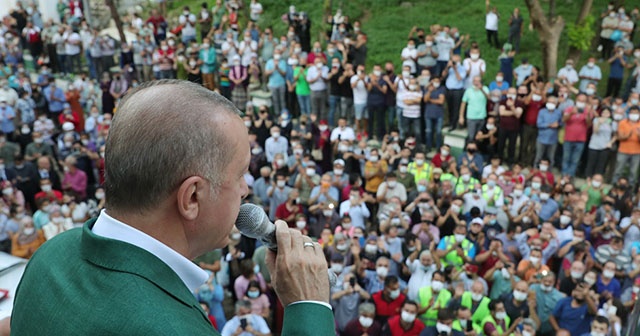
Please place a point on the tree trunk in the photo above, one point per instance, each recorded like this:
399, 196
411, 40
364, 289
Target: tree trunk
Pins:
575, 53
116, 19
549, 31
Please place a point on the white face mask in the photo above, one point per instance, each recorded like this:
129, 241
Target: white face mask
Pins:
459, 237
551, 106
311, 171
609, 274
634, 117
475, 56
501, 315
281, 184
28, 231
476, 296
534, 260
337, 268
576, 274
407, 317
301, 224
517, 192
536, 185
365, 322
437, 285
383, 272
519, 296
443, 328
565, 220
544, 168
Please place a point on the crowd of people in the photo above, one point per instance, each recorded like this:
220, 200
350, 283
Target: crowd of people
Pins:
500, 239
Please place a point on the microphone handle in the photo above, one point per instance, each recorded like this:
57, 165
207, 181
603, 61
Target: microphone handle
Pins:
270, 241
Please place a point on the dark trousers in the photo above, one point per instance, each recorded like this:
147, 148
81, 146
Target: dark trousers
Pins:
597, 162
511, 137
454, 99
493, 35
376, 113
607, 47
528, 144
613, 87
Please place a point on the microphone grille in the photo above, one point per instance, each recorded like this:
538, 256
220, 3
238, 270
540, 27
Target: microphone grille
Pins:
251, 220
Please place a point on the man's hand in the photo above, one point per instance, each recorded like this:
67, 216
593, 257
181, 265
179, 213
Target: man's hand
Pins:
298, 273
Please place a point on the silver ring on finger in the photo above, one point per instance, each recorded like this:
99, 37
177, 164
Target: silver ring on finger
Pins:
308, 244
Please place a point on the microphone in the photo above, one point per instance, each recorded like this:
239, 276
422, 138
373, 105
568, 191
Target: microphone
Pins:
253, 222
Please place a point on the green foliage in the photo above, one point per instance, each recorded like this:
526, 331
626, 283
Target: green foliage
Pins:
580, 36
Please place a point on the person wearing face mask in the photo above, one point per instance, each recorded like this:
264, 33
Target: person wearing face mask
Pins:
427, 54
377, 88
498, 323
532, 266
474, 300
456, 249
404, 324
364, 323
577, 121
607, 285
600, 144
289, 209
433, 298
589, 74
610, 22
617, 64
389, 299
546, 298
473, 107
411, 113
629, 146
57, 224
549, 123
345, 299
575, 312
260, 304
568, 75
520, 303
434, 100
317, 77
26, 240
409, 56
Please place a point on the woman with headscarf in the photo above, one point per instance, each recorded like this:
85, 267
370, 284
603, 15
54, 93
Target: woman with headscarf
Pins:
27, 240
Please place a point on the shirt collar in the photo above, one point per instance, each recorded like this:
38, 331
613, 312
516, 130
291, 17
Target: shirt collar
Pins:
109, 227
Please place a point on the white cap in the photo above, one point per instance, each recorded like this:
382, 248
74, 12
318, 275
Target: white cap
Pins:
338, 162
68, 126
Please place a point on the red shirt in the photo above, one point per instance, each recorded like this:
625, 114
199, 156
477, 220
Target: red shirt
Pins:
396, 329
487, 264
531, 112
576, 127
387, 309
511, 123
547, 177
283, 212
437, 160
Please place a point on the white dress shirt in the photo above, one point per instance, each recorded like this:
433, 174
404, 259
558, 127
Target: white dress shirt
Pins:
109, 227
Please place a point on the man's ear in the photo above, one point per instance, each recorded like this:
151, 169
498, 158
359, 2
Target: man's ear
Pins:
190, 196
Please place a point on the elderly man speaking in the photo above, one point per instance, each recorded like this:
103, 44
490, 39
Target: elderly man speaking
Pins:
175, 160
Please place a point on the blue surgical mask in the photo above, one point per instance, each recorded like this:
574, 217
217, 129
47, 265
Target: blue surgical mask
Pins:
422, 188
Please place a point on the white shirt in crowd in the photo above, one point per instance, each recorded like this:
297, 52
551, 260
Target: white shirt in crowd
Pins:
569, 73
474, 68
360, 90
346, 133
188, 23
402, 87
321, 83
410, 55
492, 21
358, 213
411, 110
72, 43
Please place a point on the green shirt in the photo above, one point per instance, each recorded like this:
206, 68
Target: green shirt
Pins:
302, 86
209, 257
408, 181
43, 149
476, 103
595, 196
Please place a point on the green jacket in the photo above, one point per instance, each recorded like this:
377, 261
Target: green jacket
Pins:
83, 284
481, 311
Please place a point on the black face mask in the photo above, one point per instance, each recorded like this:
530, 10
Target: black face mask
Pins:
579, 301
471, 150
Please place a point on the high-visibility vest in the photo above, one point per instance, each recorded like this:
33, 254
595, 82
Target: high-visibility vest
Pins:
481, 312
430, 317
447, 177
423, 173
452, 258
490, 318
461, 187
457, 326
497, 192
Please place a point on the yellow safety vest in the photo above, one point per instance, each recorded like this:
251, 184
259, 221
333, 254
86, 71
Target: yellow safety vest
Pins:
430, 317
481, 312
490, 318
497, 192
452, 258
423, 173
462, 187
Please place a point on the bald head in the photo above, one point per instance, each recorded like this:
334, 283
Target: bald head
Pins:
164, 132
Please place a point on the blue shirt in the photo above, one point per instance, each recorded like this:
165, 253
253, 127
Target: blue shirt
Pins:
6, 119
56, 105
276, 79
613, 287
506, 67
452, 82
617, 70
546, 134
576, 320
333, 193
547, 209
502, 87
523, 71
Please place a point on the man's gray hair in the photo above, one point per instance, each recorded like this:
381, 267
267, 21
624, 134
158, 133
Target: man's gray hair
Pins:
163, 132
367, 308
243, 304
